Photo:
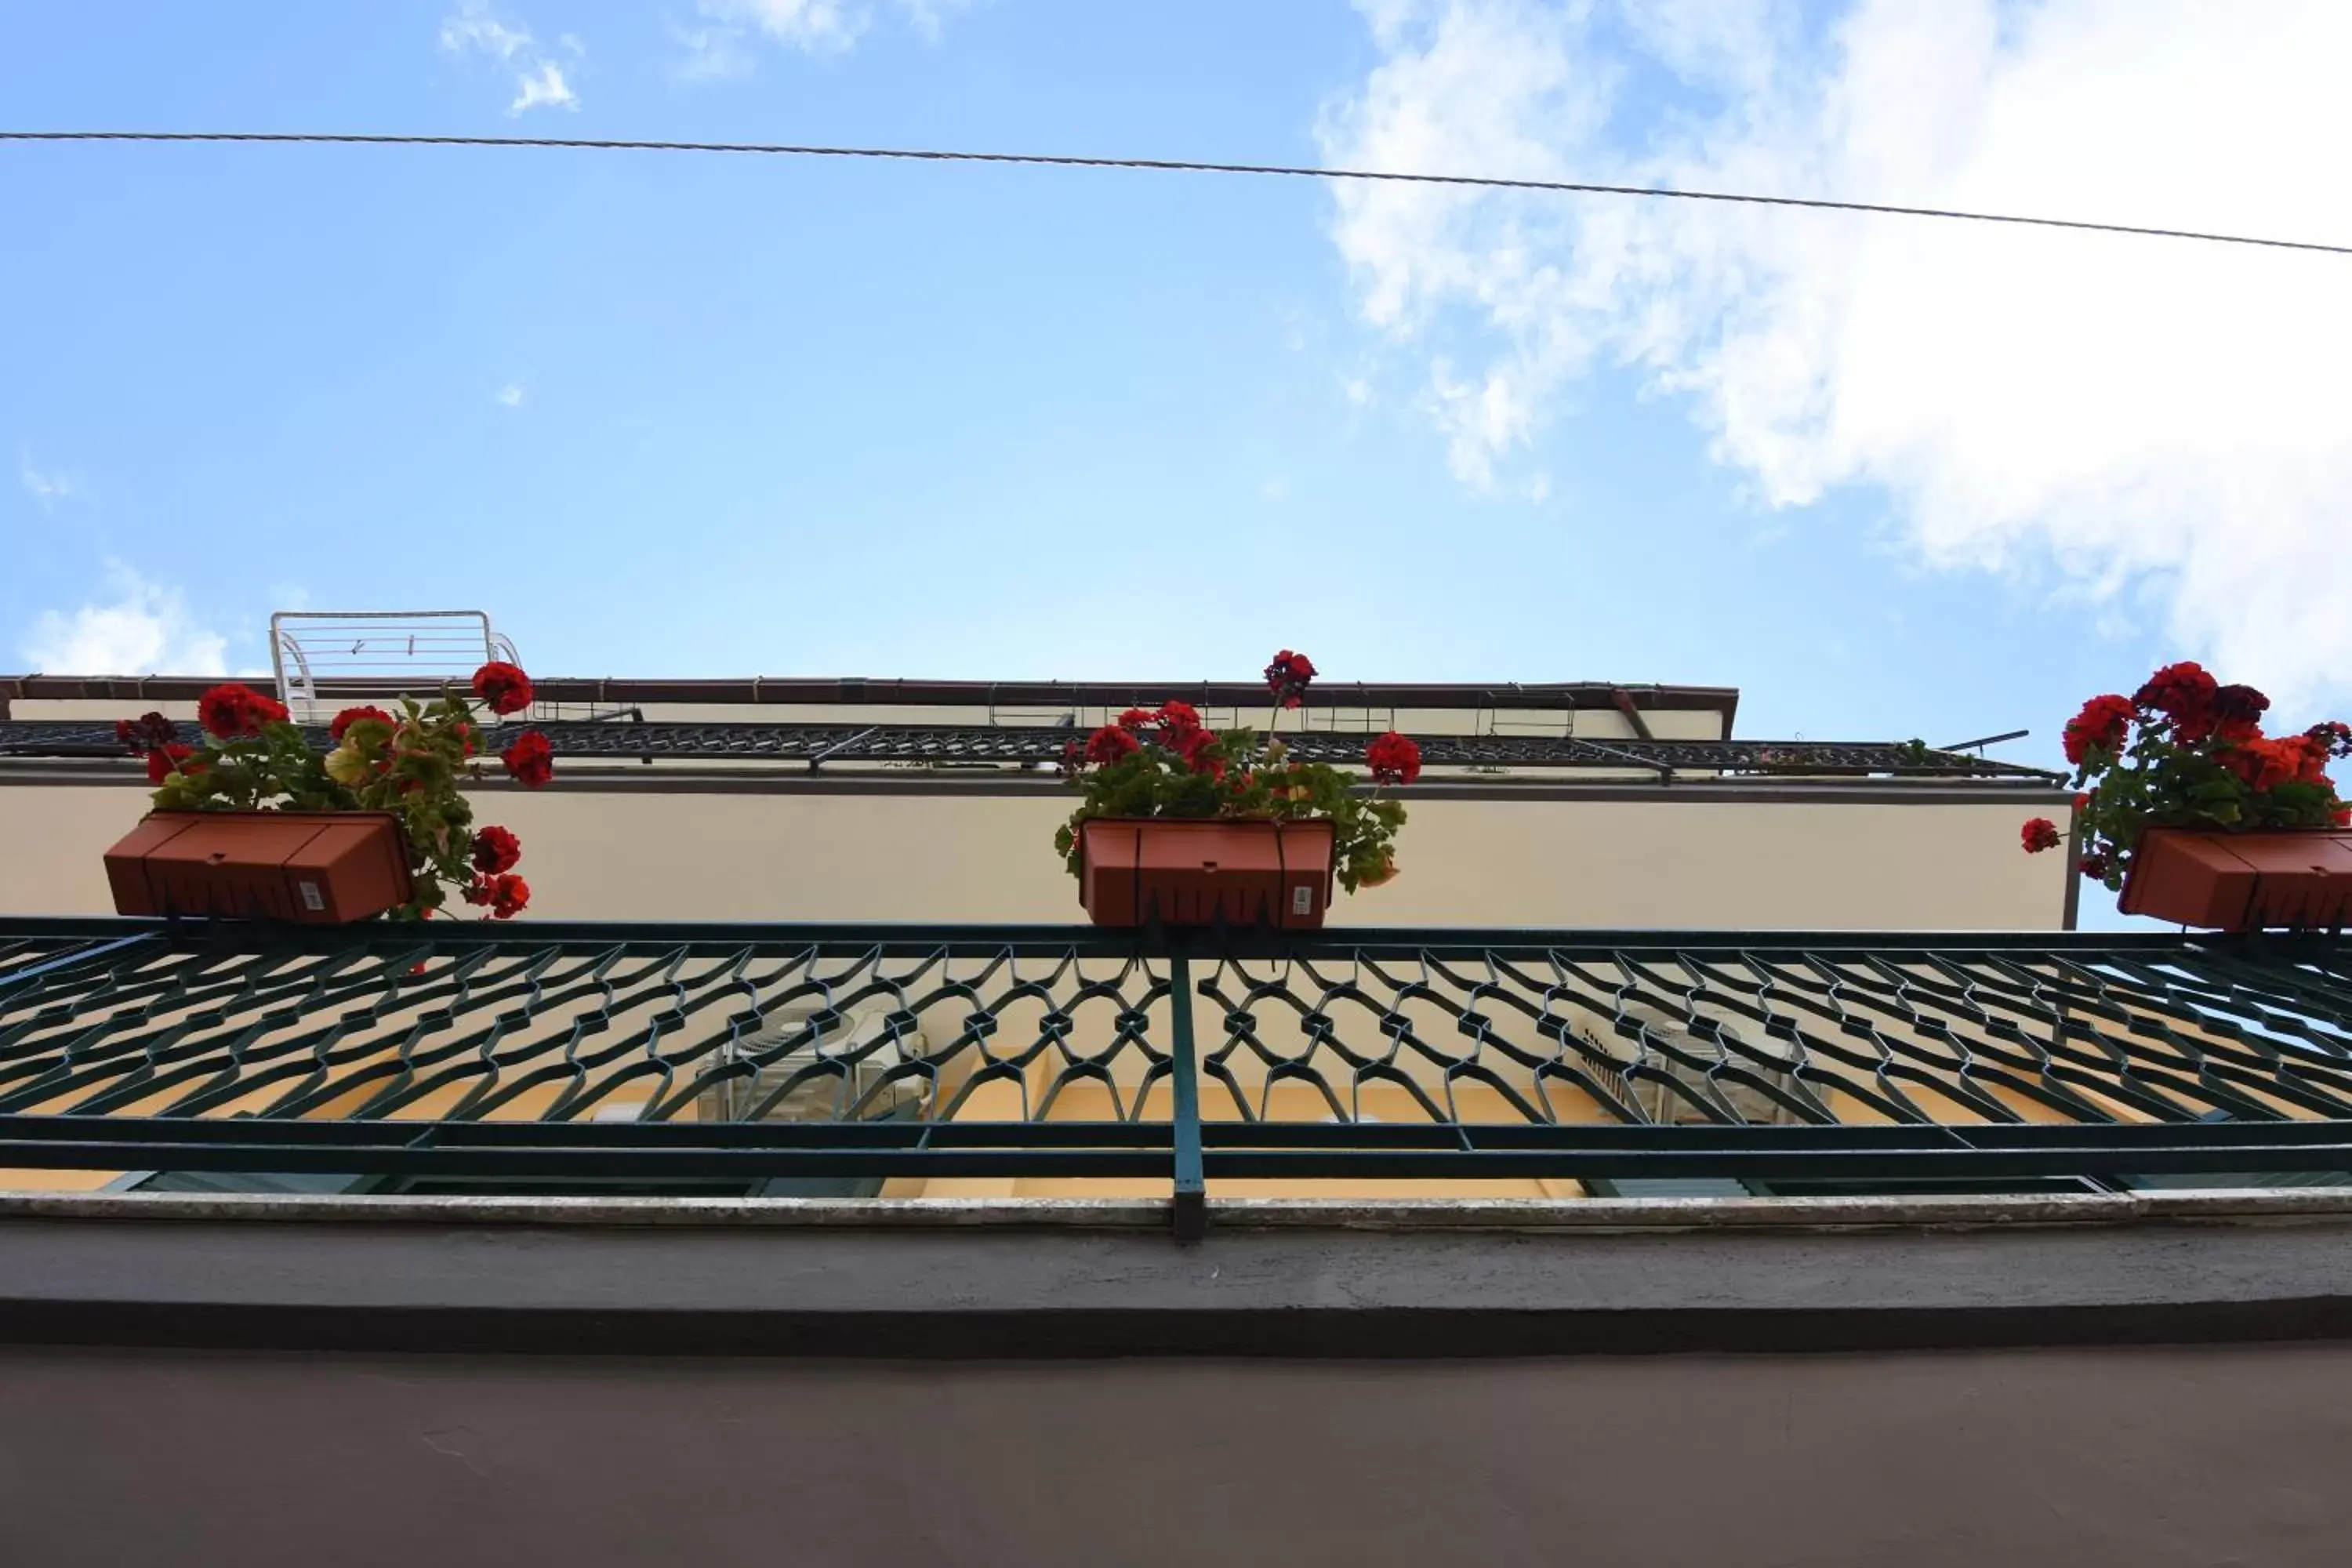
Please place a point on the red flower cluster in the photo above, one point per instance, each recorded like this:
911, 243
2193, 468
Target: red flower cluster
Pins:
146, 732
1393, 759
2334, 735
495, 850
531, 760
231, 710
168, 758
1174, 726
1112, 744
1178, 721
1180, 732
2238, 712
2183, 693
1164, 762
351, 716
2041, 834
2182, 728
505, 895
503, 687
2266, 764
2101, 725
1287, 677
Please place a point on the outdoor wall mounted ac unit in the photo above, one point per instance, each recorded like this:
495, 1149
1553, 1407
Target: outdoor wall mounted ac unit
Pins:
823, 1096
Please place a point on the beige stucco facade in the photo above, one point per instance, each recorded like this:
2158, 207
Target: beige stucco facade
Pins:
1762, 857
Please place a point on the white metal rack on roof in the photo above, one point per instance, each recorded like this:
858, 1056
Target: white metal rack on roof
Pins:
310, 648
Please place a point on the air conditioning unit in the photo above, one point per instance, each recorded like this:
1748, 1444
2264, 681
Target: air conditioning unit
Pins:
852, 1057
1666, 1102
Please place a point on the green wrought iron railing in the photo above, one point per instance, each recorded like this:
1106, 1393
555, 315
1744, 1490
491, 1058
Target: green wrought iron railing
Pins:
867, 1059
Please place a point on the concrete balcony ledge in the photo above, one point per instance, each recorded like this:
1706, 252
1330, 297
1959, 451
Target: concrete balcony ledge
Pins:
1067, 1278
1527, 1215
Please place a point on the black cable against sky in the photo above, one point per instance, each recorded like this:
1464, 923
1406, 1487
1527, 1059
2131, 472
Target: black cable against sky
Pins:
1172, 165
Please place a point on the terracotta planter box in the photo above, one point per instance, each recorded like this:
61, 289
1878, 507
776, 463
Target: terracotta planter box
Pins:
1138, 870
319, 868
2242, 881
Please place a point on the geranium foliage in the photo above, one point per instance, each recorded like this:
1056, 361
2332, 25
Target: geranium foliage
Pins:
411, 763
2186, 751
1164, 763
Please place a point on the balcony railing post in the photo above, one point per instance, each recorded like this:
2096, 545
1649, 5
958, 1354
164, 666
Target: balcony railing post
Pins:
1190, 1213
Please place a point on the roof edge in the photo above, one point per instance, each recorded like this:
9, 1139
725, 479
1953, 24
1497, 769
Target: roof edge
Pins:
818, 690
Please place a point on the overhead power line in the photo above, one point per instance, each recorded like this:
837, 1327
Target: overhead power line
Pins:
1166, 165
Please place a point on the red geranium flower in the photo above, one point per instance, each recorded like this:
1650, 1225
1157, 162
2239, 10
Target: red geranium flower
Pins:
495, 850
2344, 816
505, 895
1393, 759
1195, 748
145, 732
1287, 677
2095, 866
2101, 724
351, 716
530, 759
1178, 720
503, 685
1135, 719
235, 709
2041, 834
1111, 744
2265, 764
2238, 712
168, 757
2334, 735
2312, 751
2183, 693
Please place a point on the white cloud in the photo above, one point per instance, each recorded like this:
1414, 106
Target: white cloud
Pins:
542, 87
144, 628
511, 395
817, 25
712, 54
475, 29
718, 49
929, 17
2121, 412
46, 486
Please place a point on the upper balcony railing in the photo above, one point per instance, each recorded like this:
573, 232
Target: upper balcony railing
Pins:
866, 1060
814, 745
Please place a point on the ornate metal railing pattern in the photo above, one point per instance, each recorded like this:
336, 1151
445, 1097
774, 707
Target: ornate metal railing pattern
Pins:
1044, 745
644, 1052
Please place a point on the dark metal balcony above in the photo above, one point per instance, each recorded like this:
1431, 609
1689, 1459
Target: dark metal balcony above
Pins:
1038, 746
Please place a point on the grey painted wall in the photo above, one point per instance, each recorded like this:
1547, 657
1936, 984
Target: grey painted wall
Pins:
2073, 1458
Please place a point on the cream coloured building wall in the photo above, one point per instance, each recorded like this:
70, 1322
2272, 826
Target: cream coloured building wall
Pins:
1761, 856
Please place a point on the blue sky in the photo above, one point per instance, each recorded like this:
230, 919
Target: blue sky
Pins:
661, 414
